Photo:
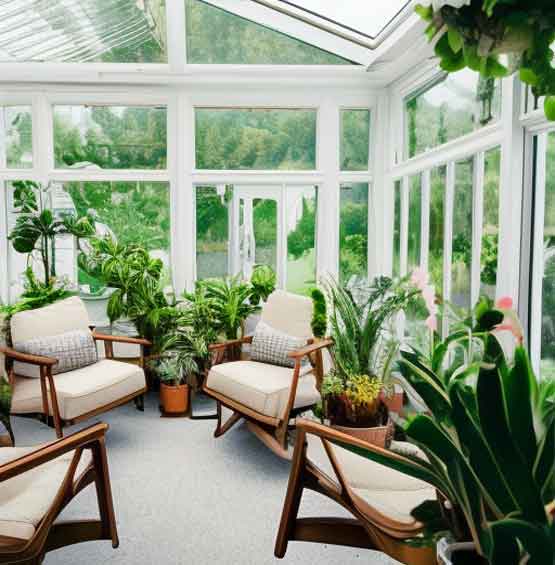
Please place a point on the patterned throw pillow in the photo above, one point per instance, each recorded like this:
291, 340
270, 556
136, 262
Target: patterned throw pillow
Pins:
73, 350
272, 346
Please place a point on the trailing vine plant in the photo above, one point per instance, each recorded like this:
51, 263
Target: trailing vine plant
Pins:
496, 38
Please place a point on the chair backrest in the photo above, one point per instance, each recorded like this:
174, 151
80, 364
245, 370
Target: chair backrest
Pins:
289, 313
66, 315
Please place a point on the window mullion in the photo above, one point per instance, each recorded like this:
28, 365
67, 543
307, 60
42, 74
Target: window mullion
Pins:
448, 236
477, 225
405, 186
425, 221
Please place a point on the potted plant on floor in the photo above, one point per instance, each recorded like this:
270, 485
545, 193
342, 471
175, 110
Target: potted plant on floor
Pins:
488, 436
363, 353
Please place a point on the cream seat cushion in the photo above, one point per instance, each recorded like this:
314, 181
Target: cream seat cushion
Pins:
261, 387
376, 487
26, 498
82, 390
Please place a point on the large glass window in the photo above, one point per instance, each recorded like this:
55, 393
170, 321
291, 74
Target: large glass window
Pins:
459, 104
215, 36
88, 31
131, 212
259, 139
437, 227
110, 137
353, 231
302, 212
213, 210
461, 271
490, 228
16, 139
355, 140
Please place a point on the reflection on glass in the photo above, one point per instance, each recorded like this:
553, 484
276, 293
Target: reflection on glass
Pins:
259, 139
301, 213
397, 230
16, 139
355, 140
415, 222
132, 212
257, 233
213, 207
215, 36
437, 214
548, 283
459, 104
353, 231
110, 137
490, 230
462, 234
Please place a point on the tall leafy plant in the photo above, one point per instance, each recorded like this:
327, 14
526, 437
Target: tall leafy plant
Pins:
488, 439
37, 226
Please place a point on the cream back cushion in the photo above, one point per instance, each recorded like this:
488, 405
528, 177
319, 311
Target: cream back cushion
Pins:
64, 316
289, 313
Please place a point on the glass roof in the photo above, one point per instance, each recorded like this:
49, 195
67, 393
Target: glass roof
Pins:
82, 30
365, 17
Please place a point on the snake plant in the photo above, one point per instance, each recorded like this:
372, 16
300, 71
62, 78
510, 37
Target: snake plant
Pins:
488, 435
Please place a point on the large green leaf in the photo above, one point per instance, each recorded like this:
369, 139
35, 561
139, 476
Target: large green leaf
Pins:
544, 467
495, 425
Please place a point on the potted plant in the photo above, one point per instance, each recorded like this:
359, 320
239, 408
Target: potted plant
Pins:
319, 322
496, 38
186, 355
488, 436
262, 284
364, 349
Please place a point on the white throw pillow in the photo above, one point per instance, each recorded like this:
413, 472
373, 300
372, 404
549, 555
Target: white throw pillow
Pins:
272, 346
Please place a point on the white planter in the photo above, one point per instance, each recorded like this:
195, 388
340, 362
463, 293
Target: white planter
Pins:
446, 549
96, 307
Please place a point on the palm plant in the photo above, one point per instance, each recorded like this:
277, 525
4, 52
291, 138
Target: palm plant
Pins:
489, 440
230, 304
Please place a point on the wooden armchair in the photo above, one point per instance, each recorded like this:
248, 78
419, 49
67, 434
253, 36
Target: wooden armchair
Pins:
73, 396
36, 484
379, 499
267, 396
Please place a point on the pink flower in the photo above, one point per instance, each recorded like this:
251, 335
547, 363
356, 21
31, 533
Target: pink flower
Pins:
429, 296
419, 278
511, 324
504, 303
431, 322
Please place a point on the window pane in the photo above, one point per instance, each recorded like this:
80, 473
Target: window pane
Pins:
462, 234
397, 231
132, 212
16, 139
437, 209
259, 139
548, 283
88, 31
355, 140
301, 209
490, 231
353, 231
215, 36
110, 137
213, 205
461, 103
415, 222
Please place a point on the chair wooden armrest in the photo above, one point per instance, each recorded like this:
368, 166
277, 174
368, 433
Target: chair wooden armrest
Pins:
310, 348
121, 339
230, 343
81, 439
38, 360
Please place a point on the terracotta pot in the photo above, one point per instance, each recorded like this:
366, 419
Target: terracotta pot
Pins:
393, 402
174, 399
378, 435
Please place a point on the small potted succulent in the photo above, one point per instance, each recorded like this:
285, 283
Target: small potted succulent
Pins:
356, 391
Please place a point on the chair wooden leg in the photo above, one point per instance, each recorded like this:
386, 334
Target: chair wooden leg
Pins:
221, 429
104, 493
140, 403
292, 498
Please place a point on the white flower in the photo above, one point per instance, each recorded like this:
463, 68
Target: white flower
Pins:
438, 4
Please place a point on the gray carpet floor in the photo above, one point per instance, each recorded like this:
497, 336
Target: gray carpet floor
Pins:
183, 497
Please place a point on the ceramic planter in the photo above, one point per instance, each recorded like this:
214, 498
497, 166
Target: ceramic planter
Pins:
394, 402
174, 400
458, 554
97, 305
